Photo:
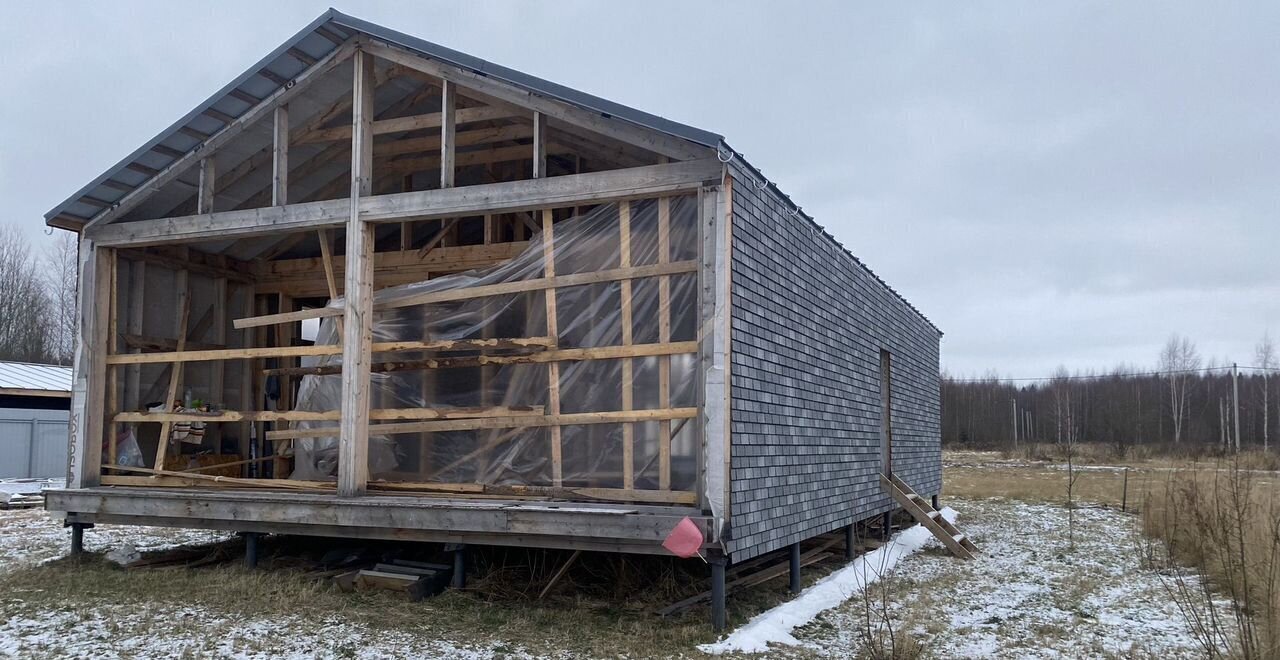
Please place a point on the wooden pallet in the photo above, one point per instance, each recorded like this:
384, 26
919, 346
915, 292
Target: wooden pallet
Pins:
931, 518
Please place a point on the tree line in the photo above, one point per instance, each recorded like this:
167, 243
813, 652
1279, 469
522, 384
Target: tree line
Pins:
37, 299
1183, 403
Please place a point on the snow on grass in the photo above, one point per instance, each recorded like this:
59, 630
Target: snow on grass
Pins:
1028, 594
113, 631
32, 536
775, 625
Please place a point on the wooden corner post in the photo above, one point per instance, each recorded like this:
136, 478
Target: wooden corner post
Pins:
357, 334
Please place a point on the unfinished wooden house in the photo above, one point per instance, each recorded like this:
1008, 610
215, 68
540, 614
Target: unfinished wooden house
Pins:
378, 288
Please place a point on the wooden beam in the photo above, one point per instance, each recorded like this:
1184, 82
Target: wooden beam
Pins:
467, 293
542, 357
328, 415
298, 276
280, 156
539, 145
175, 375
479, 423
133, 326
205, 194
412, 123
222, 137
441, 345
448, 133
613, 127
664, 335
628, 374
553, 331
357, 338
326, 255
505, 197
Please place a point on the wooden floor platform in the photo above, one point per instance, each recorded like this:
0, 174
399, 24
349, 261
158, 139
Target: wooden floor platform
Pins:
536, 523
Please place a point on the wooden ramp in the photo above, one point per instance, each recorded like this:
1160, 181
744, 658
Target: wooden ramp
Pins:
931, 518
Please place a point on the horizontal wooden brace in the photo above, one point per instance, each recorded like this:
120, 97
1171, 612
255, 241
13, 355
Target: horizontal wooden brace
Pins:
490, 198
327, 415
527, 421
543, 357
327, 349
468, 293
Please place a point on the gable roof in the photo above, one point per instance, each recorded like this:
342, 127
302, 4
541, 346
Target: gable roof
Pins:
321, 37
277, 70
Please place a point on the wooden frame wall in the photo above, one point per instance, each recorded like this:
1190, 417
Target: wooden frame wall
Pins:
359, 214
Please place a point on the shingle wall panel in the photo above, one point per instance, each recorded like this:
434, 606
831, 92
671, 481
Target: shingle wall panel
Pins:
808, 324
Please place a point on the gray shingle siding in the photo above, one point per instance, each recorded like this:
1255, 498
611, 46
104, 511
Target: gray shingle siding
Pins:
808, 324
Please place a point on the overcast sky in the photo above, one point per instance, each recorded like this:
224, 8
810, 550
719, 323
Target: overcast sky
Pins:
1050, 184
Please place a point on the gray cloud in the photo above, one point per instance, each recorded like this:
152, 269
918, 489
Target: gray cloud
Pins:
1050, 183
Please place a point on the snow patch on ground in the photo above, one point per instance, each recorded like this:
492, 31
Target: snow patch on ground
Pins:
33, 536
776, 625
1028, 594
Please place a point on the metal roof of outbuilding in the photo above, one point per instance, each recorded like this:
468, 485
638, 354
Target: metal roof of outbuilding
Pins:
41, 378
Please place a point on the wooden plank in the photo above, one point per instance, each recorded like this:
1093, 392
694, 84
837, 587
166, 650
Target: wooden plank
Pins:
326, 256
205, 193
298, 276
502, 197
280, 156
539, 145
553, 331
448, 132
247, 370
357, 338
113, 374
175, 375
468, 293
517, 421
542, 357
628, 373
329, 349
133, 326
327, 415
618, 129
664, 336
218, 377
412, 123
211, 146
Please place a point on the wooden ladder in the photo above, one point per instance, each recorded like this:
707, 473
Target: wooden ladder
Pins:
931, 518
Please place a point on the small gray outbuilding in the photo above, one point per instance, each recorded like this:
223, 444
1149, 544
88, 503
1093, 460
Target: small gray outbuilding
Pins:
34, 404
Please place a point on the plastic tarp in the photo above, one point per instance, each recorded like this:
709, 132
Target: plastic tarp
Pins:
587, 316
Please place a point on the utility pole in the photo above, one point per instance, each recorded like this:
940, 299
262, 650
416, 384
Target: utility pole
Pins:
1014, 402
1235, 395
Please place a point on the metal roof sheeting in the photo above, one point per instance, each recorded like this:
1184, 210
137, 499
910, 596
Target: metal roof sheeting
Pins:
28, 376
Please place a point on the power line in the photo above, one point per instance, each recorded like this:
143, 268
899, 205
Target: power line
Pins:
1130, 374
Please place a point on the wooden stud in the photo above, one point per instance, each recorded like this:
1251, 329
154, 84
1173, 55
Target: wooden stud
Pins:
628, 374
217, 383
113, 373
539, 145
175, 375
357, 338
280, 157
448, 133
553, 331
205, 194
247, 399
326, 255
133, 325
664, 336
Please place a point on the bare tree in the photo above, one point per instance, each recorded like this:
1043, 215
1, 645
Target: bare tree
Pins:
1179, 359
1265, 356
60, 264
24, 305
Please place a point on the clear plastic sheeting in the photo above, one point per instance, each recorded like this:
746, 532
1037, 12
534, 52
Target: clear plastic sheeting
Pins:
587, 316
